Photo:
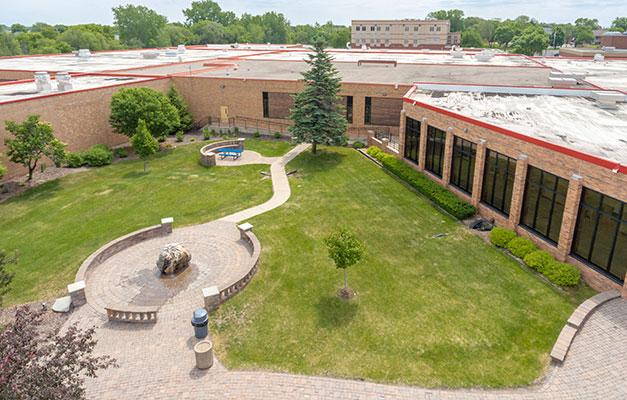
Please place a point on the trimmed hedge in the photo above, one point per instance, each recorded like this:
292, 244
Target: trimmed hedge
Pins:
439, 195
539, 260
98, 155
359, 145
501, 236
520, 246
75, 160
562, 274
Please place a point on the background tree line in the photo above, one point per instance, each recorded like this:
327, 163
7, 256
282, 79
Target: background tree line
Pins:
141, 27
206, 22
523, 34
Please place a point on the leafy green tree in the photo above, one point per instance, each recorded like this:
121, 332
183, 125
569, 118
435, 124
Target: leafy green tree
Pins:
143, 143
5, 277
591, 23
204, 10
9, 46
620, 22
39, 26
531, 41
340, 37
17, 28
558, 37
33, 140
185, 117
487, 30
60, 28
208, 32
456, 17
276, 27
504, 34
471, 38
3, 170
78, 38
129, 105
583, 34
317, 114
140, 23
345, 250
236, 33
178, 34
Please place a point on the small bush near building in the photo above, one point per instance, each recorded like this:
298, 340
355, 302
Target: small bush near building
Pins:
538, 260
359, 145
441, 196
236, 130
213, 132
520, 246
562, 274
161, 139
192, 139
179, 136
501, 236
277, 135
256, 134
122, 153
98, 155
205, 134
75, 160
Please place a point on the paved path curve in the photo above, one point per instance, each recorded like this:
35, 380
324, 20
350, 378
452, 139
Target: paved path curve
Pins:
157, 361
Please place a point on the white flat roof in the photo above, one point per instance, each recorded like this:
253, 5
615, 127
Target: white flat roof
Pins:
609, 74
110, 61
573, 122
21, 91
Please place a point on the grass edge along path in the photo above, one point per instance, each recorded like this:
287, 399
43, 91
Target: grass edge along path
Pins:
450, 311
57, 225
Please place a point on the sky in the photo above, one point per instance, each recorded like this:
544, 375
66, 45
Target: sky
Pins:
70, 12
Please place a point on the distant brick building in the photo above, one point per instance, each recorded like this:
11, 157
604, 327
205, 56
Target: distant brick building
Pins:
394, 34
614, 39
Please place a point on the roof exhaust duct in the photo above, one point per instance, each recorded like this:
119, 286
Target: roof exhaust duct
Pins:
42, 81
64, 81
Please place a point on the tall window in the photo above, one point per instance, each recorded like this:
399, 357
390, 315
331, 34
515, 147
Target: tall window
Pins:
463, 165
498, 180
357, 28
543, 204
266, 111
412, 139
601, 233
349, 109
368, 111
436, 139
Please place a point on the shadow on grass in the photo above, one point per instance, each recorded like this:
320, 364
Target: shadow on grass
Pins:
136, 174
326, 158
43, 191
334, 312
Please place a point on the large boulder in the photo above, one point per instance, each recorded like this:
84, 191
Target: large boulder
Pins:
173, 258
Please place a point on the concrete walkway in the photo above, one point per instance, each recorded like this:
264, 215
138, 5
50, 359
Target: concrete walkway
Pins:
280, 186
157, 360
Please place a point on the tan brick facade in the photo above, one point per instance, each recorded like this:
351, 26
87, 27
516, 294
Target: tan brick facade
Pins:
579, 172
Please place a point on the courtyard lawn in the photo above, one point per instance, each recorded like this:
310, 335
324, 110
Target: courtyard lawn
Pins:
448, 311
55, 226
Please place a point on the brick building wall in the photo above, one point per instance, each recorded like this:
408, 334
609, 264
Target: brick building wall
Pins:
620, 42
80, 119
244, 98
578, 172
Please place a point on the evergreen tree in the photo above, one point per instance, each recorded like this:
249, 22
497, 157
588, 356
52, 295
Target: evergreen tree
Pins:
317, 114
187, 119
144, 144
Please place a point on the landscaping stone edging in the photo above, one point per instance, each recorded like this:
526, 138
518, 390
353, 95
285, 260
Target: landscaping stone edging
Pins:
119, 244
208, 157
576, 321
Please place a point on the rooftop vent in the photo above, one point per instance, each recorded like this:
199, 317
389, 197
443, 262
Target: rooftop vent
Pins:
609, 48
569, 75
562, 82
150, 54
599, 57
608, 100
84, 53
457, 54
181, 49
484, 56
64, 82
42, 81
170, 53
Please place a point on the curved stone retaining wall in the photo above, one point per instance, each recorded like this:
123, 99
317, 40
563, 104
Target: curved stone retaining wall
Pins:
122, 243
208, 152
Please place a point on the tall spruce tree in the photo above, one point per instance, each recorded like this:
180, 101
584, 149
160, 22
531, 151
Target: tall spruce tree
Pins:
318, 116
186, 118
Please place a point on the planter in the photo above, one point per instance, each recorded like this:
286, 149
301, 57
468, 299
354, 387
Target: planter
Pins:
204, 354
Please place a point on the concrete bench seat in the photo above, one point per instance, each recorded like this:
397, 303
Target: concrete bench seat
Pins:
131, 313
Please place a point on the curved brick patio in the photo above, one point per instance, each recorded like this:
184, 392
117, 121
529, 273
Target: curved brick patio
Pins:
157, 360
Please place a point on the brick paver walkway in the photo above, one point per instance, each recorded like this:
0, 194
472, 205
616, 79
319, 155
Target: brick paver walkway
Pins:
157, 360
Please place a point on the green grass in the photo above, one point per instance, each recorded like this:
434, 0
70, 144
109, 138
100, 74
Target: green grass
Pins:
55, 226
448, 311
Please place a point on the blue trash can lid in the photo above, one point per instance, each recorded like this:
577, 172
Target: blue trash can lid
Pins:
200, 316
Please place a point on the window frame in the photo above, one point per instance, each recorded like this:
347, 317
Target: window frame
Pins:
460, 146
435, 135
504, 208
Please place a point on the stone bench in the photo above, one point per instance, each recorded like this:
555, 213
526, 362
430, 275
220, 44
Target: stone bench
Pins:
130, 313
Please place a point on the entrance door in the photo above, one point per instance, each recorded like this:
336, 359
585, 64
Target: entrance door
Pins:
224, 114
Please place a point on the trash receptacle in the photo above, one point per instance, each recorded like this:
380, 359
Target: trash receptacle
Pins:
200, 321
204, 354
